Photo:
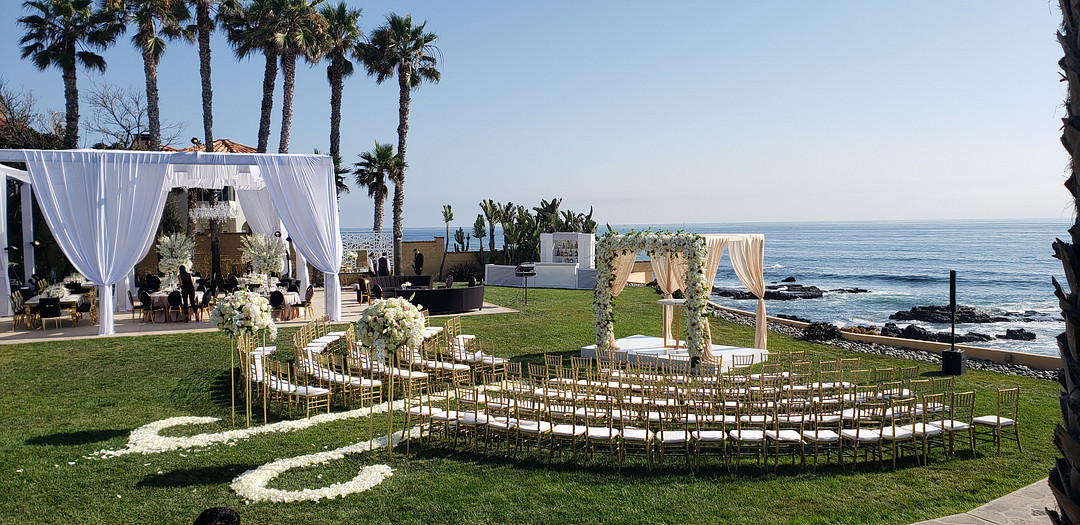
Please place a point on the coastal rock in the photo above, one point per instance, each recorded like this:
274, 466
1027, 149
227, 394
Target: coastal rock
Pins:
921, 334
849, 290
788, 279
1018, 334
896, 351
941, 315
794, 318
1031, 316
786, 292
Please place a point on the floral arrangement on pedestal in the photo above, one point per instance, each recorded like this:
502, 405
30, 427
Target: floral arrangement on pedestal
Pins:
75, 278
243, 313
56, 290
389, 324
175, 251
350, 260
266, 253
690, 245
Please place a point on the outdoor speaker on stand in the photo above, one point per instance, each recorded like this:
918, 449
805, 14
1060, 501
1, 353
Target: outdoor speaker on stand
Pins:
952, 360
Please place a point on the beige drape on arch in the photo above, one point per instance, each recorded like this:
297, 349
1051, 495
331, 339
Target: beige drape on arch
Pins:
748, 261
747, 255
623, 266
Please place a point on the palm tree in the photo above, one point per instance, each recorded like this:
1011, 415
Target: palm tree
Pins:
401, 49
491, 213
339, 173
154, 19
250, 29
372, 172
547, 213
301, 32
507, 217
1067, 435
204, 25
61, 33
343, 38
447, 216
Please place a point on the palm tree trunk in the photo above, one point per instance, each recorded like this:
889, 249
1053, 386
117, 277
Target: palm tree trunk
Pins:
202, 17
71, 107
491, 240
337, 83
1064, 477
378, 214
269, 79
404, 96
399, 202
153, 115
288, 70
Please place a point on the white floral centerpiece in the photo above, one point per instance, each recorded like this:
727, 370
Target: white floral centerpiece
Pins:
56, 290
175, 251
350, 259
243, 313
75, 278
266, 253
389, 324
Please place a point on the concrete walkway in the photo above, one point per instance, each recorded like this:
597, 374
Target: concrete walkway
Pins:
1026, 506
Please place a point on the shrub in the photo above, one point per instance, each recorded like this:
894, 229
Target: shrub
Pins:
464, 271
820, 332
868, 330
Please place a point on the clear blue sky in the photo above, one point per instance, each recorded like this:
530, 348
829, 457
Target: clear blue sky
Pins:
677, 112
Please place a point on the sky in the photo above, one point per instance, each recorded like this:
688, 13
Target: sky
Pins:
672, 112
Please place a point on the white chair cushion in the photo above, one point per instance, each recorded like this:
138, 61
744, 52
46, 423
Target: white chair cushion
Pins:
786, 436
424, 410
637, 434
820, 436
896, 434
951, 425
530, 426
993, 421
709, 436
601, 433
310, 391
751, 436
863, 435
920, 429
673, 436
568, 430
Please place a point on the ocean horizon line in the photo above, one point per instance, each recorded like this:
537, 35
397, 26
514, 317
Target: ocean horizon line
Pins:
808, 222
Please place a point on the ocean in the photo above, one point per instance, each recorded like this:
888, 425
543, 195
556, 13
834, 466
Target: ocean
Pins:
1001, 266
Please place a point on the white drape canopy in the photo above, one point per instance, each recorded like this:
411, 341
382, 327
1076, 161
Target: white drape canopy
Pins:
103, 206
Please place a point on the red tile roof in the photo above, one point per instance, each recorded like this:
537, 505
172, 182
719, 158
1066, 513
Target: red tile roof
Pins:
220, 146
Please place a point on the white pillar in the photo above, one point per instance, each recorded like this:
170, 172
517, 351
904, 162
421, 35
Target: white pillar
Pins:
27, 231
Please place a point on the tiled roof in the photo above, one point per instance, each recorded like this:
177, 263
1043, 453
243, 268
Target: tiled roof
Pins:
220, 146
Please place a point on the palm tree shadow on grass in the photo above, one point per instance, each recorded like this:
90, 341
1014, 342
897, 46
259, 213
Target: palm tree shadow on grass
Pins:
81, 437
194, 476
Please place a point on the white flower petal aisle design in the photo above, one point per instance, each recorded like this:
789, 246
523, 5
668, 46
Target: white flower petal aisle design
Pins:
251, 485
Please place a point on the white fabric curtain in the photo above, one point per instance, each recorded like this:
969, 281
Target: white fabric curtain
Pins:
29, 265
120, 293
5, 285
103, 209
259, 210
748, 261
715, 245
303, 191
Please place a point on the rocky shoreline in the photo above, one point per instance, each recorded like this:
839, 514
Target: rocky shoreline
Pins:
893, 351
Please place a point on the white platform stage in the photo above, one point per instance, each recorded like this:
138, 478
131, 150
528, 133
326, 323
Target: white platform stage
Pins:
644, 345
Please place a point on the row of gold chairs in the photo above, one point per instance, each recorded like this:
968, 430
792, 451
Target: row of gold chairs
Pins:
645, 412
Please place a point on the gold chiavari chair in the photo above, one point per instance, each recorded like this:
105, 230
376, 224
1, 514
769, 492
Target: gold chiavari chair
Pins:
898, 433
864, 433
957, 419
926, 426
1003, 423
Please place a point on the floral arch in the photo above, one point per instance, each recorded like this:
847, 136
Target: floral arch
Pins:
615, 251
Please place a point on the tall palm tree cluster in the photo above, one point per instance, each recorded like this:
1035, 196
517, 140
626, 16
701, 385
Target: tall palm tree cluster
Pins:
66, 33
522, 227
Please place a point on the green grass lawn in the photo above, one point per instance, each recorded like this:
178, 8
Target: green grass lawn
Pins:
66, 400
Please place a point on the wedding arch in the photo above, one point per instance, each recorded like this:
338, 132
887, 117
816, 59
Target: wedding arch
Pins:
104, 206
685, 261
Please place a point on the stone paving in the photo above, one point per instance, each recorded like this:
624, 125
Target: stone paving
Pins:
1026, 506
